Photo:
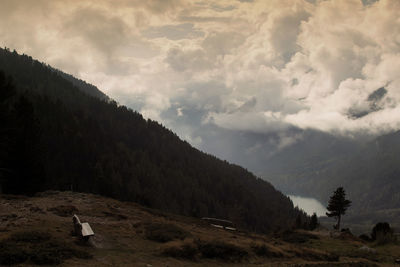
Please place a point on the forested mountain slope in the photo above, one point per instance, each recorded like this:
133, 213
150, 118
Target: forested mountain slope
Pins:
58, 137
82, 85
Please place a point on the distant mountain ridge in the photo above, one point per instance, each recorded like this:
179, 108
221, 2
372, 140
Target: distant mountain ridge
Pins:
63, 137
369, 171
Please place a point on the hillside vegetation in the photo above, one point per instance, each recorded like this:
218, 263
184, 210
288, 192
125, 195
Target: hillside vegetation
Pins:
37, 230
58, 136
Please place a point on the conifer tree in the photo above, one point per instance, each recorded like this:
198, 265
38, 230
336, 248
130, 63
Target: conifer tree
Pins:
338, 205
314, 221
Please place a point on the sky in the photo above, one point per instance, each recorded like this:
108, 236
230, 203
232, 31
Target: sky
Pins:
227, 75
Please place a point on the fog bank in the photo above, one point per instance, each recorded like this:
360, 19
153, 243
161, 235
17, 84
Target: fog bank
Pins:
309, 205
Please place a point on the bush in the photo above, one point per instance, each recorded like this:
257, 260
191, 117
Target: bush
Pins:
382, 233
221, 250
365, 237
38, 247
264, 251
162, 232
46, 257
56, 251
296, 237
187, 251
11, 254
207, 249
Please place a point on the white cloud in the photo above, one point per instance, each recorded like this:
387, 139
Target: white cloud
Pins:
255, 66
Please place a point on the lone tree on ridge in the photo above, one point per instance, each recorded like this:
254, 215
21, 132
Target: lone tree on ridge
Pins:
338, 205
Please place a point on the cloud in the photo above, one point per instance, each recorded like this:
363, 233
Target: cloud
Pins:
368, 2
193, 59
173, 32
240, 68
222, 43
220, 8
259, 122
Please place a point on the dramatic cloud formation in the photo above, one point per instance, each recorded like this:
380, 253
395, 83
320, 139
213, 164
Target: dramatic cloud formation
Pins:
224, 67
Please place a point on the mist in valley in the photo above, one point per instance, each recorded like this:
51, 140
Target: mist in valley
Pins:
309, 205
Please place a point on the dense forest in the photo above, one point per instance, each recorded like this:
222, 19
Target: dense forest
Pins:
57, 135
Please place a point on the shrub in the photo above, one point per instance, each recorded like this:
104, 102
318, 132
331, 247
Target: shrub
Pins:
162, 232
296, 237
187, 251
264, 251
61, 250
382, 233
221, 250
40, 248
46, 257
11, 254
365, 237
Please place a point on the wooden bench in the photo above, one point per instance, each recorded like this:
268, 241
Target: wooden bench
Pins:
219, 223
82, 230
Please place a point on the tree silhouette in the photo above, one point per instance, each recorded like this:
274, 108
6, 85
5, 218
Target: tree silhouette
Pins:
338, 205
314, 222
382, 232
7, 92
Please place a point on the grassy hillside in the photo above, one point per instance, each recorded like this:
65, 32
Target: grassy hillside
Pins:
126, 234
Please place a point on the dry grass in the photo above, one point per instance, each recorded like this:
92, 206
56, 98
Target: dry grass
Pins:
164, 232
217, 249
64, 210
263, 250
127, 234
186, 251
38, 248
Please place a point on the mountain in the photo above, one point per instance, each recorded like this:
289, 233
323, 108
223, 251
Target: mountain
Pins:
368, 170
58, 136
291, 168
82, 85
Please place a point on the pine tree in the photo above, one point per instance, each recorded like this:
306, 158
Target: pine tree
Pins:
7, 92
313, 222
338, 205
298, 223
